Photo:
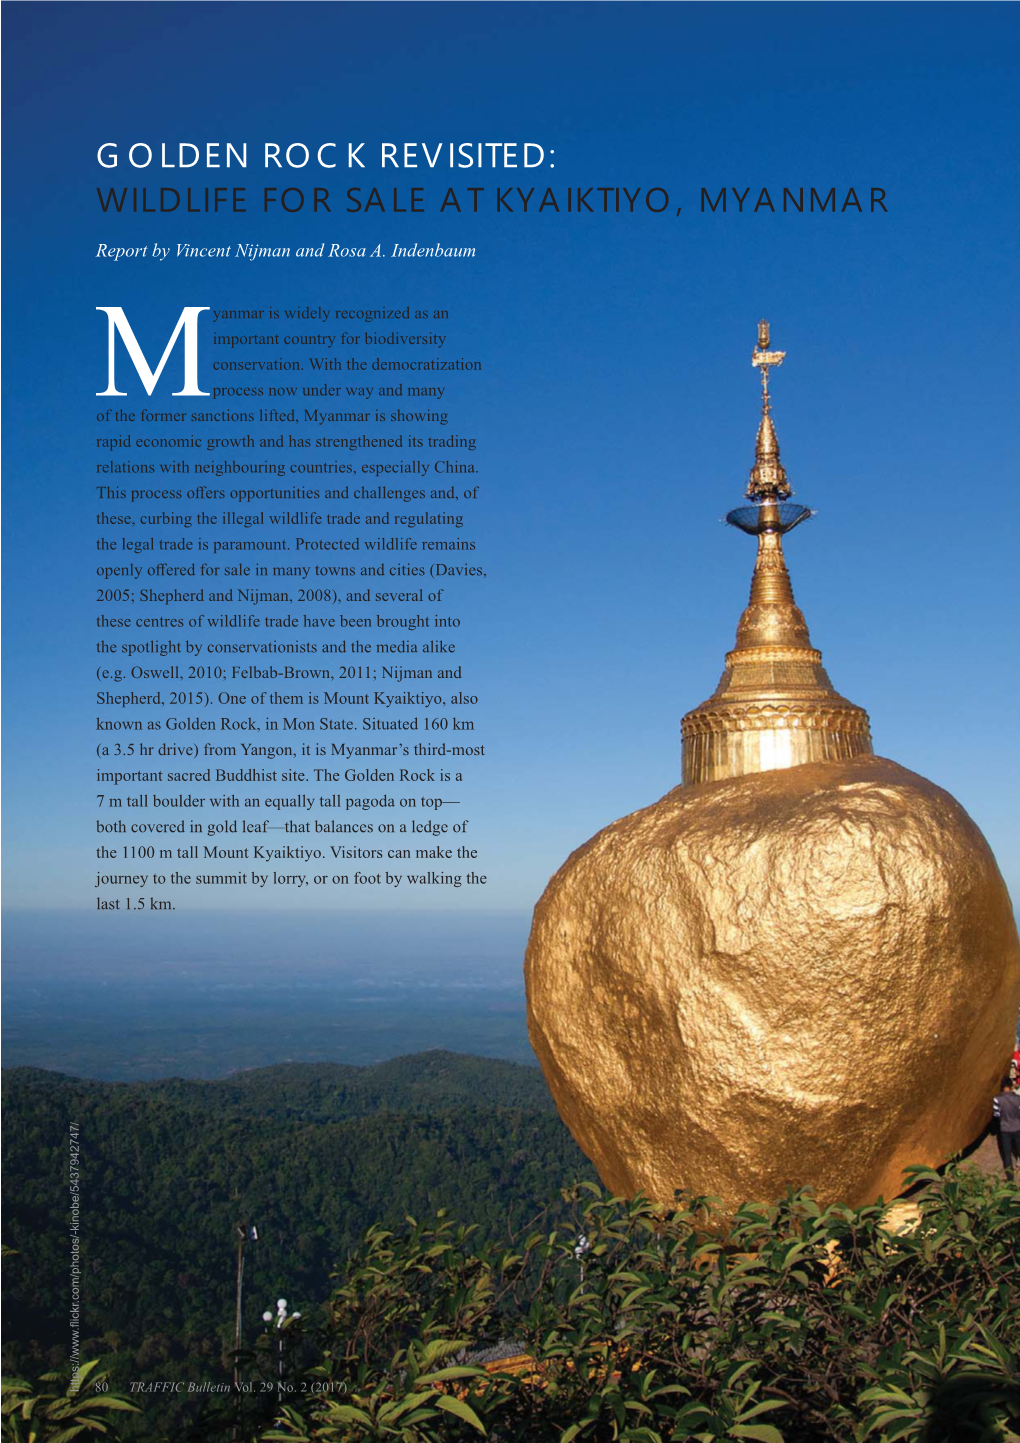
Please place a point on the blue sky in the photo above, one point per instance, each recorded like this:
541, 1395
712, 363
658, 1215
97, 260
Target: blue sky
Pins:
616, 408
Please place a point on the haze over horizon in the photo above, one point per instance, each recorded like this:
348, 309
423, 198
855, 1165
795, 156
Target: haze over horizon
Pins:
221, 991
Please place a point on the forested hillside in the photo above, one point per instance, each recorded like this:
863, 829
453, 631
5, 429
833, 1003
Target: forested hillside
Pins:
311, 1154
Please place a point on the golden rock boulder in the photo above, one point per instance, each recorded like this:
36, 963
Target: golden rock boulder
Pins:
805, 976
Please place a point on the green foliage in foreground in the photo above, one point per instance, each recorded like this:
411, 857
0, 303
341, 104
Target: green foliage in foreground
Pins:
799, 1325
59, 1416
803, 1325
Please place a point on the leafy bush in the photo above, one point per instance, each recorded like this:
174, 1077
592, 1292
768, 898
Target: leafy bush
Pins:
59, 1416
796, 1324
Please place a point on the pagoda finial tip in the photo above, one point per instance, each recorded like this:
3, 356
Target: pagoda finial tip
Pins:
768, 478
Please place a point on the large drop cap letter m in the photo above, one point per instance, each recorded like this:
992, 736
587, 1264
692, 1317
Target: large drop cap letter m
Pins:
188, 322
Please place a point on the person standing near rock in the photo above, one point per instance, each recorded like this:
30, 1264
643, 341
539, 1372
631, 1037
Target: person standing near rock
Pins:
1006, 1111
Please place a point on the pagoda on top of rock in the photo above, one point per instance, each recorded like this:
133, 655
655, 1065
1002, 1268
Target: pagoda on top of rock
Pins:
775, 705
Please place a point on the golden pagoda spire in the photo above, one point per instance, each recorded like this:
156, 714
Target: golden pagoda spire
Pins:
768, 478
775, 705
